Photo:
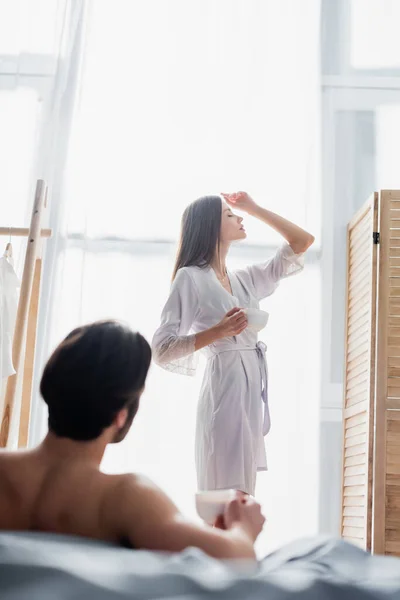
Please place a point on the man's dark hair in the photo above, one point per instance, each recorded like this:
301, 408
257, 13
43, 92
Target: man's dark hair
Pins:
95, 372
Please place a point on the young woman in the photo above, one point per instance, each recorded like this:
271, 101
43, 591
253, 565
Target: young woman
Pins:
203, 311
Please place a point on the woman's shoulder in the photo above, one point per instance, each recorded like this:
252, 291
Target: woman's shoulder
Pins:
192, 271
193, 276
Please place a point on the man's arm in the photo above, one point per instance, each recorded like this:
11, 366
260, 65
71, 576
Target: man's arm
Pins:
151, 521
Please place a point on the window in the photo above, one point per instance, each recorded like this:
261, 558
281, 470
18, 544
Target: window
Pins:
375, 42
19, 120
189, 111
29, 27
360, 103
29, 33
359, 38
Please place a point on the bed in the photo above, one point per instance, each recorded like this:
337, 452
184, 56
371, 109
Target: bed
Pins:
39, 566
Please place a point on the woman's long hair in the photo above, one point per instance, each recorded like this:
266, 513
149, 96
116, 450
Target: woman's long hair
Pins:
200, 233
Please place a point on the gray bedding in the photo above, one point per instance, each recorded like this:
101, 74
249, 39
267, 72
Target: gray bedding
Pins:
40, 567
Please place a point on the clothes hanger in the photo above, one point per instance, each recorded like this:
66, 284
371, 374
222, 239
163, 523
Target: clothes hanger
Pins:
8, 253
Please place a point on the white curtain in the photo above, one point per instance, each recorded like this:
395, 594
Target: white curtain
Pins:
38, 47
178, 99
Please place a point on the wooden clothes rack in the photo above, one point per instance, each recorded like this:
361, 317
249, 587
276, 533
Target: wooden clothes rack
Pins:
26, 320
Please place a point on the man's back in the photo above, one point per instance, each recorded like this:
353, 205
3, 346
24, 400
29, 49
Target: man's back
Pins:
92, 385
40, 491
62, 496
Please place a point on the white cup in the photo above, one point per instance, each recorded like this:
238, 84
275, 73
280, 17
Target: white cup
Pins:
210, 505
256, 318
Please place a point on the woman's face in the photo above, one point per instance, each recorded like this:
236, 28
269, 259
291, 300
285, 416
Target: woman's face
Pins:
231, 225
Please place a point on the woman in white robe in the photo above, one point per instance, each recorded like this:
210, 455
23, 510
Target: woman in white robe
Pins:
203, 313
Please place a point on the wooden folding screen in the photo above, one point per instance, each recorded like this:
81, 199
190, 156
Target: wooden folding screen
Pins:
386, 488
371, 453
359, 381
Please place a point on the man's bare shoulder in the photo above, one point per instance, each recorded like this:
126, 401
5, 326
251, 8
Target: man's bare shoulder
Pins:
132, 487
134, 503
6, 456
9, 461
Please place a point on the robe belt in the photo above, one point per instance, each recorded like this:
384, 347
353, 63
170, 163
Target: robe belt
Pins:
261, 349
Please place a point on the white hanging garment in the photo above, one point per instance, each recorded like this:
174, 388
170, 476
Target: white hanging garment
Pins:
9, 286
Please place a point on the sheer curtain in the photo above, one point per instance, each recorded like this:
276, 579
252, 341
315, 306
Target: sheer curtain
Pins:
36, 42
178, 99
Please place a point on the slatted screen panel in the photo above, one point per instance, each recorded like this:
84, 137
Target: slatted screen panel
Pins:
359, 376
387, 435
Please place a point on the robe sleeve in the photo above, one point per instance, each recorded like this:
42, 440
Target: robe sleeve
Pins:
264, 278
173, 346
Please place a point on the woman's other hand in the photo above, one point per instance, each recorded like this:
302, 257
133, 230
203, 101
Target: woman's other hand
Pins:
240, 200
233, 323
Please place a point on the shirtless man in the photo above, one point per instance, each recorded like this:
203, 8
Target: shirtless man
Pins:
92, 386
